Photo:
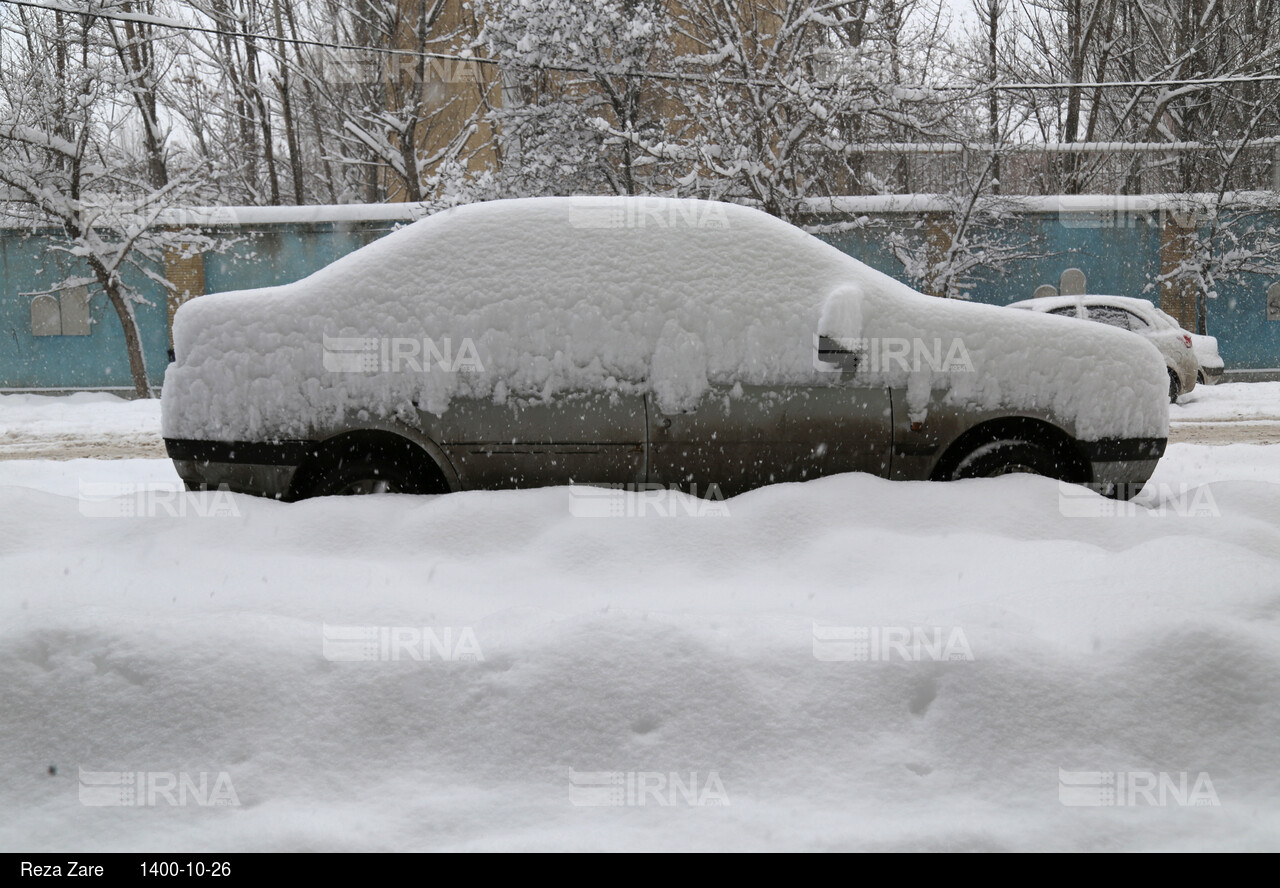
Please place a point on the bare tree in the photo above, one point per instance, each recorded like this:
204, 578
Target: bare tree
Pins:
782, 95
1222, 236
63, 150
583, 114
973, 236
135, 44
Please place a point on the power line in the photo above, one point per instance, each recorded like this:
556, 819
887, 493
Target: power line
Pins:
921, 148
174, 25
1132, 84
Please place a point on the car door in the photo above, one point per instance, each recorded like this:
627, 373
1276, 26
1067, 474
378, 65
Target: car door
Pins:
744, 437
1110, 315
1115, 316
576, 438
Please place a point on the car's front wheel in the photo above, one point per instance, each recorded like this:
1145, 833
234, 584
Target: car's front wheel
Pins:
1009, 457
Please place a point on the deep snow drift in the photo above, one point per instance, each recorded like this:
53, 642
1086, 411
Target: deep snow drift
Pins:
653, 648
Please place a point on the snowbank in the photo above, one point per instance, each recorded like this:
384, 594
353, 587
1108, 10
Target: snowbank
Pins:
530, 298
80, 424
647, 647
75, 415
1227, 402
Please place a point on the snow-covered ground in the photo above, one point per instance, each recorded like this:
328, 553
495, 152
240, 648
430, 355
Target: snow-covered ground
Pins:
492, 670
84, 424
1228, 402
1240, 411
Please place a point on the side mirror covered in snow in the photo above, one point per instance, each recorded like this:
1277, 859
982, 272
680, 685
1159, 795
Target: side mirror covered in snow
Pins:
838, 345
836, 354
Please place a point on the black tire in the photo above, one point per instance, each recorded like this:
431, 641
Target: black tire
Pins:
361, 470
1010, 456
1200, 377
1175, 387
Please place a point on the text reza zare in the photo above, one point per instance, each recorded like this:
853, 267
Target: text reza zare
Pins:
72, 869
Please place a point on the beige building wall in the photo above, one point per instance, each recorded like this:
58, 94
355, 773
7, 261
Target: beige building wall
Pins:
456, 93
461, 92
185, 270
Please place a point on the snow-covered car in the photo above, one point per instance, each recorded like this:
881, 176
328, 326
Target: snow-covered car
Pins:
1141, 317
637, 341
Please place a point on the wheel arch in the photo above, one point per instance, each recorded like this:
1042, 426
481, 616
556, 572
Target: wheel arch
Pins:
1031, 429
431, 459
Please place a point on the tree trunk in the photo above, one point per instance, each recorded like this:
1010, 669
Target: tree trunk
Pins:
1075, 68
129, 324
286, 109
993, 101
138, 60
314, 108
253, 79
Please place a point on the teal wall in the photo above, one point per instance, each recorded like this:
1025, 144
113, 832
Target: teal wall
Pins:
256, 257
282, 253
98, 360
1119, 255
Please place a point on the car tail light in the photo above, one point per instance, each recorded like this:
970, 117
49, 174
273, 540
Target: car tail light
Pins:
1186, 340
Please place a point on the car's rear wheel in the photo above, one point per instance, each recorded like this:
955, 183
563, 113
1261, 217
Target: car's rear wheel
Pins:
362, 468
1009, 457
1175, 387
364, 475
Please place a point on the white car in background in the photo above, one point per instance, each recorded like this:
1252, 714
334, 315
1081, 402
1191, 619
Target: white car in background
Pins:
1206, 349
1183, 358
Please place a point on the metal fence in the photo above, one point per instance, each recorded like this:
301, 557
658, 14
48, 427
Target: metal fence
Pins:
1066, 168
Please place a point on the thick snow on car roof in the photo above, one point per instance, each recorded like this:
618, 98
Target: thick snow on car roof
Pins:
534, 298
1048, 303
1142, 307
555, 294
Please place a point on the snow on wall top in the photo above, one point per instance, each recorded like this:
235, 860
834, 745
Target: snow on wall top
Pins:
535, 297
857, 204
